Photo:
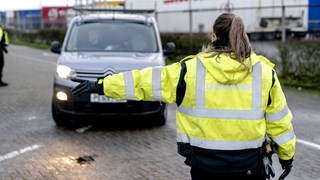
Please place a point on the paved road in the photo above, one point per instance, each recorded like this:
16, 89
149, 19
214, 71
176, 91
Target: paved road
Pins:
32, 147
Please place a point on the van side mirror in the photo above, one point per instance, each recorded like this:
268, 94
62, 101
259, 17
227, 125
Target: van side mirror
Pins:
56, 47
170, 48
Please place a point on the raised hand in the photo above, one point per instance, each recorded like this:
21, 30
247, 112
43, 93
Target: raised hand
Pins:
86, 86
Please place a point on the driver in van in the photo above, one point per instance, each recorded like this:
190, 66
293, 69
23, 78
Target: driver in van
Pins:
95, 40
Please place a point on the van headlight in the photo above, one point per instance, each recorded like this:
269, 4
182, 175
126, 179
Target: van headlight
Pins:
64, 72
62, 96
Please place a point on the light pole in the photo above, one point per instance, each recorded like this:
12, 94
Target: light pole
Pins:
283, 27
190, 19
190, 25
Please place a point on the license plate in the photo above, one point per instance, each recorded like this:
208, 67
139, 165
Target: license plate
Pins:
96, 98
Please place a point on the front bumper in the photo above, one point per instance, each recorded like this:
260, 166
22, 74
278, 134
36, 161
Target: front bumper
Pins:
81, 105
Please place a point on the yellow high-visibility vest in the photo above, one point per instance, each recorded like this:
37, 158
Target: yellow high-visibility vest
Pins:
6, 37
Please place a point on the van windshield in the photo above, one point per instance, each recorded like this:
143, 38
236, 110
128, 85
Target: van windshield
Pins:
114, 36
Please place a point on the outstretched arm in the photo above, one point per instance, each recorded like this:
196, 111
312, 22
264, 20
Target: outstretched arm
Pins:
148, 84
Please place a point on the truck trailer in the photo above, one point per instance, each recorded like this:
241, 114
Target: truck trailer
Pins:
263, 19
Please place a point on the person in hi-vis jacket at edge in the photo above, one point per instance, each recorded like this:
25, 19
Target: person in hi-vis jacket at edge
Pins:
4, 42
229, 101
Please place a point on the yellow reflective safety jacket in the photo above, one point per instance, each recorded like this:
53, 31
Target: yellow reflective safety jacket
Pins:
4, 40
223, 114
1, 33
4, 37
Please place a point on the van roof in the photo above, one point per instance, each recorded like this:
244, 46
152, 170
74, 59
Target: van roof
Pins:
114, 16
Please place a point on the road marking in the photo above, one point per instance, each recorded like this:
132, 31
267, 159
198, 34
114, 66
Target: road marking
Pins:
83, 129
31, 118
317, 146
18, 152
34, 59
49, 54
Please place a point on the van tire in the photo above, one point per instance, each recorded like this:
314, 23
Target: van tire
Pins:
59, 118
161, 118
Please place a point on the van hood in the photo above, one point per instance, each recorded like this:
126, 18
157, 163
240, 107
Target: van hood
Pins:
100, 62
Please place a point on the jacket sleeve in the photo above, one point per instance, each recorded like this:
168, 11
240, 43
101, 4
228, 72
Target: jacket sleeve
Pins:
278, 121
148, 84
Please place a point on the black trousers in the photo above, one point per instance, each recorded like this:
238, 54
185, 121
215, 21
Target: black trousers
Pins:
1, 63
199, 174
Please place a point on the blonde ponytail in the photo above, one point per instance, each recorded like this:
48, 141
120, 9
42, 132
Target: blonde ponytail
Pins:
239, 40
232, 39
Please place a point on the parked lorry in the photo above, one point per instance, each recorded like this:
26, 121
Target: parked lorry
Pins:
263, 19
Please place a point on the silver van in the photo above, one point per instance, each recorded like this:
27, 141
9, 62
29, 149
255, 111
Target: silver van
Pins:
98, 45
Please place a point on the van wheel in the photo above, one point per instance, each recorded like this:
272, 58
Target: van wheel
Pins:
59, 118
161, 118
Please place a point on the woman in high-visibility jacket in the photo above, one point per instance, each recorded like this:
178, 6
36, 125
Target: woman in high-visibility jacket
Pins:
229, 100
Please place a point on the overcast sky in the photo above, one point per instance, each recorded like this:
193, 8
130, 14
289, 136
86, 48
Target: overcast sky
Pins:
6, 5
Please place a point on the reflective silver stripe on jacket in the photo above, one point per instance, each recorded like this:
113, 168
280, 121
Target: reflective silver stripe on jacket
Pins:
200, 85
279, 115
129, 85
200, 111
219, 144
284, 138
156, 84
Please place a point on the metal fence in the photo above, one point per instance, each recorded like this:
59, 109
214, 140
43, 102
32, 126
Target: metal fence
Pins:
261, 22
